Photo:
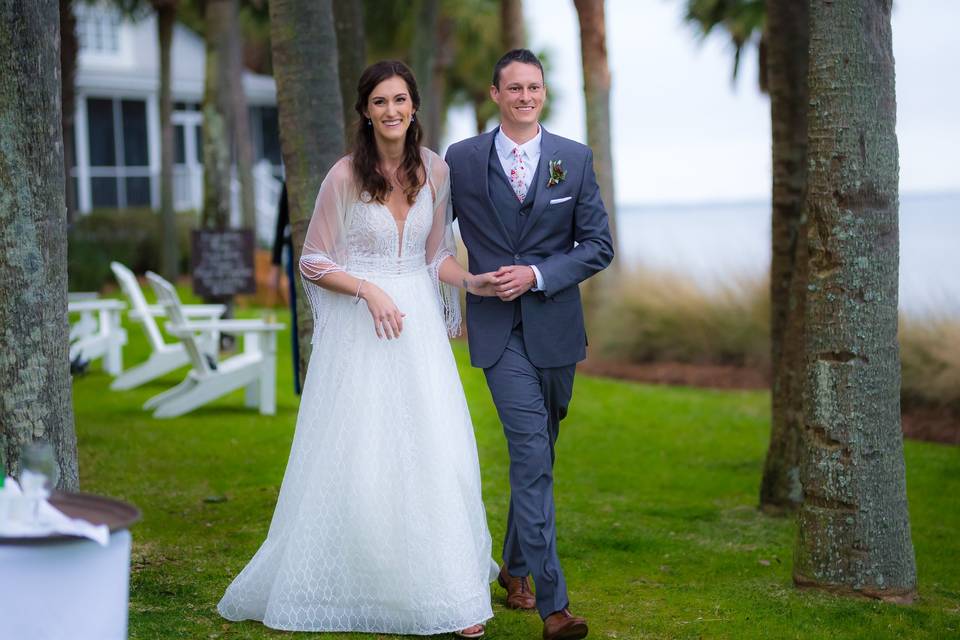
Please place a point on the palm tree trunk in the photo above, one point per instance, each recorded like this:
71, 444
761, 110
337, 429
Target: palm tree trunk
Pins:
511, 24
596, 87
424, 58
35, 391
853, 527
166, 17
787, 41
352, 56
216, 117
240, 117
311, 119
68, 69
445, 52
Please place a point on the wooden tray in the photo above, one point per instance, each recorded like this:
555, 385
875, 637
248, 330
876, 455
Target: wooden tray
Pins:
95, 509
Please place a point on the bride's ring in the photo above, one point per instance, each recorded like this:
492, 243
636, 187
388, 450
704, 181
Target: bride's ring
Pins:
509, 291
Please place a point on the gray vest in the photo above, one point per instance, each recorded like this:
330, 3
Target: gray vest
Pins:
511, 211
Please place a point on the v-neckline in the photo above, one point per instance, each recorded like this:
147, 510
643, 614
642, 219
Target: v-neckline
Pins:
401, 224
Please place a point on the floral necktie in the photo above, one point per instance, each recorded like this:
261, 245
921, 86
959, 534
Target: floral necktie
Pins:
518, 174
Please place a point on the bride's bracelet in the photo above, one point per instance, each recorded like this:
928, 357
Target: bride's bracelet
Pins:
356, 296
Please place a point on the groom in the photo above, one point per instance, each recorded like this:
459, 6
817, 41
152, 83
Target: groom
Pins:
530, 210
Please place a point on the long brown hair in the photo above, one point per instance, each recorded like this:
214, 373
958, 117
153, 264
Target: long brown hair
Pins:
365, 156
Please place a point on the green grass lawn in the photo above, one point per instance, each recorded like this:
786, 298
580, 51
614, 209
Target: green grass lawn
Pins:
656, 491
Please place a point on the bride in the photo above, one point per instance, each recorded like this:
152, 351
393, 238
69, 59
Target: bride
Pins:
379, 525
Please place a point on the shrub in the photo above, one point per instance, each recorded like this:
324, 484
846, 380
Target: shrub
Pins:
656, 316
130, 236
659, 316
930, 362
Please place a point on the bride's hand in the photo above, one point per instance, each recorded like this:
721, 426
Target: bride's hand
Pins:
483, 284
387, 318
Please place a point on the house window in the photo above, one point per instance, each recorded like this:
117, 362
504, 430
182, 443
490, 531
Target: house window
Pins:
119, 155
270, 134
265, 135
98, 29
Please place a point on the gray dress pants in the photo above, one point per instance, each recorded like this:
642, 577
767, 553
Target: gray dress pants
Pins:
531, 402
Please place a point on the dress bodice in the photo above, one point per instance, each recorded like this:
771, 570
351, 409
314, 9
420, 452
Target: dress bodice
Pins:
377, 243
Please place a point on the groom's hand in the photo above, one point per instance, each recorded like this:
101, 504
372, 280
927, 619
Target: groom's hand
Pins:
514, 281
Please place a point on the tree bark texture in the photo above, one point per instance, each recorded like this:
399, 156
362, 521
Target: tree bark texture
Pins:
217, 116
166, 17
240, 117
786, 59
352, 57
853, 526
68, 72
311, 120
512, 25
596, 88
423, 56
35, 385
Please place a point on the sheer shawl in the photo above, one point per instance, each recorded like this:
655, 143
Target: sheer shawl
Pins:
326, 248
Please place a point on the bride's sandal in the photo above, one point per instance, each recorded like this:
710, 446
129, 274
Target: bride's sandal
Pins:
476, 631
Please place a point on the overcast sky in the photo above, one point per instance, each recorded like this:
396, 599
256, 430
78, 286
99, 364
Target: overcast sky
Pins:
682, 132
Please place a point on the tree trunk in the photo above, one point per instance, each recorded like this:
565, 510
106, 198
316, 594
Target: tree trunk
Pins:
352, 56
512, 25
311, 120
217, 117
68, 72
478, 103
786, 59
424, 58
166, 17
444, 52
35, 392
596, 88
854, 528
240, 118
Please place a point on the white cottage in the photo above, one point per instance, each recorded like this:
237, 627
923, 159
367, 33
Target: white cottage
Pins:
118, 116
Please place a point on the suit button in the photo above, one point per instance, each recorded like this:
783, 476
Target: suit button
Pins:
516, 256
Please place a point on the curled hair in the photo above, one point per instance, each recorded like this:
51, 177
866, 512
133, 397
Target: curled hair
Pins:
411, 173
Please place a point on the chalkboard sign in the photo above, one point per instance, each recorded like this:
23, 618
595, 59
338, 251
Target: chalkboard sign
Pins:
222, 263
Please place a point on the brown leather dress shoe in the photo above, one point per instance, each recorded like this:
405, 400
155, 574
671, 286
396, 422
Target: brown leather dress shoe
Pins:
519, 595
563, 625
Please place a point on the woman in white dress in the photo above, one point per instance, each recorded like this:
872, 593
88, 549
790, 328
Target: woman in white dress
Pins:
379, 525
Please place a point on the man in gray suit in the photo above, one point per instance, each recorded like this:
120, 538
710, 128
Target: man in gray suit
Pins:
529, 210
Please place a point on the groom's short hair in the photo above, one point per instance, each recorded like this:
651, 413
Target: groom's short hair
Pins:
515, 55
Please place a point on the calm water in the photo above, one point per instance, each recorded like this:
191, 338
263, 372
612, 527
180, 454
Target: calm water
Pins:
713, 243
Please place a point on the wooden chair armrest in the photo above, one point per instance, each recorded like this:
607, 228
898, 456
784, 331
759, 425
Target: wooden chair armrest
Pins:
223, 326
212, 311
105, 304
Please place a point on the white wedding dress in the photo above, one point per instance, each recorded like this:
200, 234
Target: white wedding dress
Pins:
379, 525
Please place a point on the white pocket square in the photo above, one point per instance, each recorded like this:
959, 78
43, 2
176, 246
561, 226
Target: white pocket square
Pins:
559, 200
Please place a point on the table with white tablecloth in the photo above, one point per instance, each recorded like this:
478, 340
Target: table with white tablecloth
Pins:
68, 588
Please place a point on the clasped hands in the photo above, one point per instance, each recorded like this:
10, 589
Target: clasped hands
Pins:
506, 283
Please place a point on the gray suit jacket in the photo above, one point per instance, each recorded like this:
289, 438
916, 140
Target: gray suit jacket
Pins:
567, 236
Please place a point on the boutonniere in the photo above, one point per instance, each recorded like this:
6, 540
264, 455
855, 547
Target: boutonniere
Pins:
557, 173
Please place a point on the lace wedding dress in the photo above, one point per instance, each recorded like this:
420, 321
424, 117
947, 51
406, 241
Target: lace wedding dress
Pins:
379, 525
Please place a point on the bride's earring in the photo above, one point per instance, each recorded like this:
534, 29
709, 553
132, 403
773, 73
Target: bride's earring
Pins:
413, 118
369, 123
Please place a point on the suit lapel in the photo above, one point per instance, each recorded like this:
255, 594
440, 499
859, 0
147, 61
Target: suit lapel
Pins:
549, 150
481, 161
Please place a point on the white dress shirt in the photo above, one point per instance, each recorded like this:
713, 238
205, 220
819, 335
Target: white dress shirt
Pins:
530, 152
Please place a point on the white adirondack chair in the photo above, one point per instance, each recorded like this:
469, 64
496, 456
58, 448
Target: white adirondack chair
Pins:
254, 370
102, 337
164, 357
